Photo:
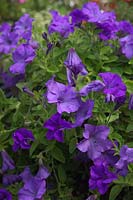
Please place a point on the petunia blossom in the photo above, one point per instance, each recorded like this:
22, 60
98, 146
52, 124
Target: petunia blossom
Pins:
100, 178
23, 55
7, 162
114, 86
21, 138
23, 27
84, 112
75, 65
130, 102
95, 140
4, 194
60, 24
34, 186
55, 126
126, 157
126, 44
65, 97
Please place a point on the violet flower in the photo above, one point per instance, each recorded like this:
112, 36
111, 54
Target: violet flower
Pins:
93, 13
9, 80
64, 96
23, 27
125, 27
114, 86
21, 138
23, 55
100, 178
126, 44
75, 65
4, 194
131, 102
9, 179
55, 126
8, 41
84, 112
34, 186
95, 140
77, 17
126, 157
60, 24
8, 163
94, 86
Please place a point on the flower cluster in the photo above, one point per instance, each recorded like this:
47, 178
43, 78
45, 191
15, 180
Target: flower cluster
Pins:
103, 21
74, 106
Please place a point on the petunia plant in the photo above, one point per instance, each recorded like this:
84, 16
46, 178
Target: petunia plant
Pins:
66, 105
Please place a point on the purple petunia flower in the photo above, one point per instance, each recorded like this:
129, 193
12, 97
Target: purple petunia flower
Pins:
60, 24
23, 27
9, 179
64, 96
9, 80
8, 41
114, 86
94, 86
126, 44
84, 112
93, 13
125, 27
23, 55
55, 126
8, 163
126, 157
95, 140
4, 194
131, 102
21, 138
100, 178
77, 17
34, 186
74, 65
5, 27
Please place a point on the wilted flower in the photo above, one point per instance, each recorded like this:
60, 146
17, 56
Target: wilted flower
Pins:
95, 140
114, 86
4, 194
55, 126
8, 163
64, 96
126, 157
126, 44
131, 102
100, 178
34, 186
23, 27
23, 55
21, 138
60, 24
75, 65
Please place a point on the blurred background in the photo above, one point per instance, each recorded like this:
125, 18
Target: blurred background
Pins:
11, 10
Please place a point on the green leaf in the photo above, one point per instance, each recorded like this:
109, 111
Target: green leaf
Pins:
61, 174
115, 191
72, 145
33, 147
58, 155
129, 84
127, 181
